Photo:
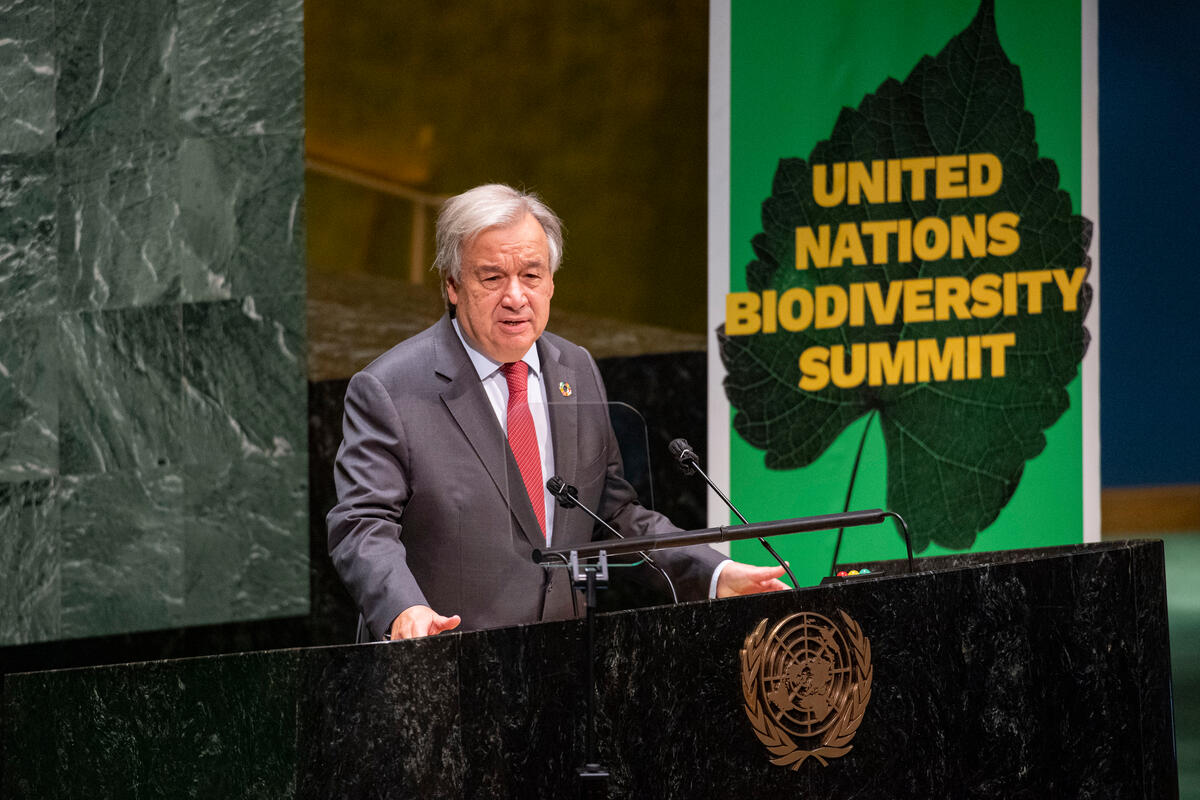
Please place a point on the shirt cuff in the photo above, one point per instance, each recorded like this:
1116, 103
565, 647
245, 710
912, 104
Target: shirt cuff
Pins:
712, 586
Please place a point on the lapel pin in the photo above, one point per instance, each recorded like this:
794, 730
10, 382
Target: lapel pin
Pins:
565, 389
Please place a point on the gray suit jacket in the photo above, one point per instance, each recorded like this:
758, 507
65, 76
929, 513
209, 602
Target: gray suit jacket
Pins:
431, 507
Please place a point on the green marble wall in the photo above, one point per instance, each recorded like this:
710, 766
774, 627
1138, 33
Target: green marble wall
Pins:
153, 441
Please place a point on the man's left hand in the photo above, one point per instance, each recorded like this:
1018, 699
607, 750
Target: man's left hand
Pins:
737, 578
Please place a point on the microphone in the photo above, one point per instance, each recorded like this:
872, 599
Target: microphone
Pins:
689, 464
568, 497
682, 452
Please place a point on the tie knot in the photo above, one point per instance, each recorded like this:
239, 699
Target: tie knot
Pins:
517, 375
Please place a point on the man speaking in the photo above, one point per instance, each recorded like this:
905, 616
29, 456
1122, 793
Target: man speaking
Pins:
449, 438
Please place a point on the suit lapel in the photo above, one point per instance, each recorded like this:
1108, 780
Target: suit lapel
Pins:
563, 406
468, 403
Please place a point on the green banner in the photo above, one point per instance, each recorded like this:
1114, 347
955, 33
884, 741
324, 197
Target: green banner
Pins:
904, 288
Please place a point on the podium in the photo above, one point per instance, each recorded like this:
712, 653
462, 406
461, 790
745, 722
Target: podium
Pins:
1018, 674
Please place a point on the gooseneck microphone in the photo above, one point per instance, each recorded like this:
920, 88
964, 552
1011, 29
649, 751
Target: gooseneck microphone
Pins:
568, 497
689, 464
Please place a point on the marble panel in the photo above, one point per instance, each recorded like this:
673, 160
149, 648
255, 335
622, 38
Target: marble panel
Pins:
29, 561
29, 406
118, 226
114, 62
120, 399
28, 277
209, 728
122, 552
525, 691
383, 721
241, 216
244, 387
240, 67
1155, 688
245, 540
27, 76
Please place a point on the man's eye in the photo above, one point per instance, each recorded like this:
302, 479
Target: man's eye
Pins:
491, 280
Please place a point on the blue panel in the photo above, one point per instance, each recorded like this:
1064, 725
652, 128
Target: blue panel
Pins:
1150, 284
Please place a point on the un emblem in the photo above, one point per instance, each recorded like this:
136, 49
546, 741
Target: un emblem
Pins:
806, 684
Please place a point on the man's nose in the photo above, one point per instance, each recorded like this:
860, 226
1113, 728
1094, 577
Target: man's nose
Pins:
514, 293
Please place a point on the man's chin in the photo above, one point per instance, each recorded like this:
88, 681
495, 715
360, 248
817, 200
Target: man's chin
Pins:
510, 349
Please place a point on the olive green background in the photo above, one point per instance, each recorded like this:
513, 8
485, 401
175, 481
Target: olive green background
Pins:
793, 67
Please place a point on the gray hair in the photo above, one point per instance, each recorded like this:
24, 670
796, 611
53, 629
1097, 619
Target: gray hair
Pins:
493, 205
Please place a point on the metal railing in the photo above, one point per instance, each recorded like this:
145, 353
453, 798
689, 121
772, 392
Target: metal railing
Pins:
422, 203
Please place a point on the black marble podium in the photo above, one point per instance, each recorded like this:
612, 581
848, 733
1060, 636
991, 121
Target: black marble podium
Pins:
1022, 674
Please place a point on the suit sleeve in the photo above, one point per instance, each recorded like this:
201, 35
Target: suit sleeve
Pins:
372, 487
690, 568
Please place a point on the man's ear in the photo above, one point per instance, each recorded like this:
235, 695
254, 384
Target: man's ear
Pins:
451, 291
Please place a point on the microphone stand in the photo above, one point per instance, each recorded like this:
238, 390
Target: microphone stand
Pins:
689, 463
593, 777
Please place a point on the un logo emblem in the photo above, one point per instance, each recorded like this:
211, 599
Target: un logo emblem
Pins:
806, 686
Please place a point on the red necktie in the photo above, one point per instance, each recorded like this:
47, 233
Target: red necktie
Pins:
522, 437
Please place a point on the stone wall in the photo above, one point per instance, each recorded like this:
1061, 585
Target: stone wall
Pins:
153, 442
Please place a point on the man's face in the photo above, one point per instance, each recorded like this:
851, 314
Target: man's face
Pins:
503, 297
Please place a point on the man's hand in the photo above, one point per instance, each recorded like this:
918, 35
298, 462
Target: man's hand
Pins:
737, 578
417, 621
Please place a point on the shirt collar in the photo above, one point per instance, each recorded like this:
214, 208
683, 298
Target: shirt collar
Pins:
485, 366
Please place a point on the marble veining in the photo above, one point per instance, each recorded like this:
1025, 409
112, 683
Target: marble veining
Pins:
120, 400
402, 706
231, 731
27, 73
118, 237
122, 552
28, 188
31, 548
114, 62
241, 216
245, 539
29, 384
244, 391
240, 67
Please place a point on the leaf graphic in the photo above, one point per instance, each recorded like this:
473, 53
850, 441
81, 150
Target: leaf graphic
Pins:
956, 449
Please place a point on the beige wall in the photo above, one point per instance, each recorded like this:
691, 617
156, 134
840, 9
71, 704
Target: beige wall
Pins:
600, 106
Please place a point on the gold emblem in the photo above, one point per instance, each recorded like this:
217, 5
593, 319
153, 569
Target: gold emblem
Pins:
806, 685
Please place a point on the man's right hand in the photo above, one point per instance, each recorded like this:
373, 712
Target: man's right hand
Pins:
417, 621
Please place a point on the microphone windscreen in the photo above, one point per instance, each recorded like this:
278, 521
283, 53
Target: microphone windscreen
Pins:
679, 448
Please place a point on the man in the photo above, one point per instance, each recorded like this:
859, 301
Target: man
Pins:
450, 436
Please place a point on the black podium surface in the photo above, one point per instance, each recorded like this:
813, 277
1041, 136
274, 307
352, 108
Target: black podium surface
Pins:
1019, 674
